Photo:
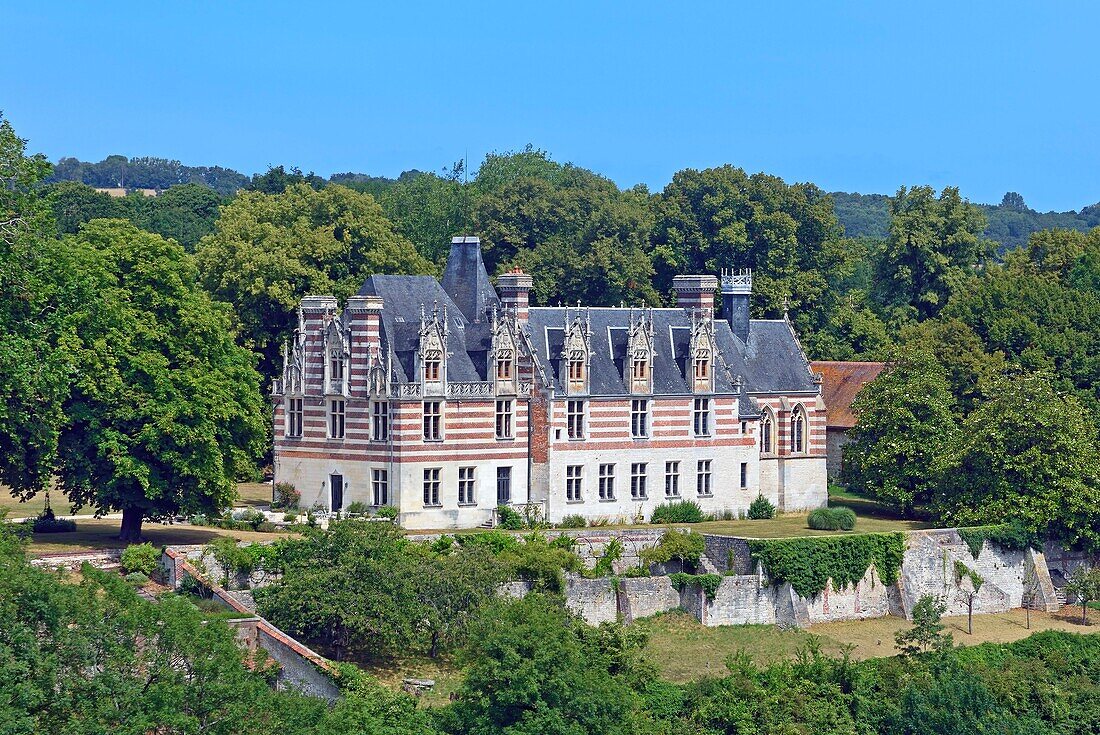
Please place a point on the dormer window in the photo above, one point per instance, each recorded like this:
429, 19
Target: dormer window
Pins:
433, 362
576, 371
504, 365
701, 370
639, 373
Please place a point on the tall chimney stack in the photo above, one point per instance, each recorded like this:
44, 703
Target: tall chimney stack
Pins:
695, 292
514, 288
736, 290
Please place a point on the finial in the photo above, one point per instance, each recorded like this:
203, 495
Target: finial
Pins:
786, 306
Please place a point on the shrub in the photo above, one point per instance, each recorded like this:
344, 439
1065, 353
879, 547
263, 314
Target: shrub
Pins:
267, 527
358, 508
387, 511
47, 522
290, 517
286, 496
142, 558
199, 519
708, 582
687, 547
250, 518
612, 552
509, 519
684, 511
761, 509
564, 541
832, 519
138, 579
573, 521
443, 544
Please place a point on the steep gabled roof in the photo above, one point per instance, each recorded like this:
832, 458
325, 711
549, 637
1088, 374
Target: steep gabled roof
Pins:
466, 281
841, 382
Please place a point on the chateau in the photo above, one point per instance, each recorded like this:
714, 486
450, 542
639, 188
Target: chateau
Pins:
448, 398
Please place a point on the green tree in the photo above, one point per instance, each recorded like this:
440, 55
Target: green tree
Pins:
270, 250
1027, 454
73, 204
162, 415
927, 631
904, 424
1084, 585
934, 242
429, 210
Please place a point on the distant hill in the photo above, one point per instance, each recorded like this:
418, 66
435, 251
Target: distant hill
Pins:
1010, 222
146, 173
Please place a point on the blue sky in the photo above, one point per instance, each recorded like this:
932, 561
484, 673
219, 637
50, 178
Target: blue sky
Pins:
852, 96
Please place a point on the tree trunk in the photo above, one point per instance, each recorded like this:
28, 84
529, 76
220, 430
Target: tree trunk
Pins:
970, 616
131, 525
1027, 608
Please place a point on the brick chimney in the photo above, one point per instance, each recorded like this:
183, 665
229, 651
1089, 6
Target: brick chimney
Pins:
364, 315
312, 313
514, 288
695, 292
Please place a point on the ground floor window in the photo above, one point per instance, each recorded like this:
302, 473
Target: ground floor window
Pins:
573, 479
431, 486
672, 479
702, 477
380, 487
638, 480
607, 482
466, 486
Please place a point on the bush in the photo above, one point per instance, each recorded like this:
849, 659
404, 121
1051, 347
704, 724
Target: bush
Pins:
708, 582
199, 519
761, 509
832, 519
573, 521
249, 518
138, 579
142, 558
687, 547
47, 522
286, 496
290, 518
509, 519
684, 511
267, 527
358, 508
387, 511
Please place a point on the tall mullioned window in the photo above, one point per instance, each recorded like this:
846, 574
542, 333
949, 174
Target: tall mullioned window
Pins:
672, 479
573, 480
702, 477
798, 430
574, 419
607, 482
701, 416
431, 486
504, 485
294, 414
379, 421
336, 365
576, 371
504, 419
336, 409
380, 487
767, 433
433, 421
639, 418
466, 486
638, 477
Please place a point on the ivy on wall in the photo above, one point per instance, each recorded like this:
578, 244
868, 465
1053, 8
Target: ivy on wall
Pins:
808, 563
709, 582
1007, 535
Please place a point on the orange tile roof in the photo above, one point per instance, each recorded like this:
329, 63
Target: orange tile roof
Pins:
841, 382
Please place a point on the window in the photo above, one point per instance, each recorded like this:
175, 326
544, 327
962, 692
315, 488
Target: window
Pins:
379, 421
336, 419
504, 485
336, 365
767, 433
702, 477
576, 370
466, 486
744, 474
607, 482
639, 418
701, 416
798, 430
672, 479
380, 487
702, 367
504, 419
744, 428
639, 374
294, 417
431, 486
573, 480
433, 361
433, 413
574, 417
638, 480
504, 365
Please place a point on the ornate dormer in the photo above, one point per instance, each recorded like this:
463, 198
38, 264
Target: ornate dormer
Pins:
638, 361
702, 351
293, 383
337, 343
503, 352
431, 354
378, 383
576, 351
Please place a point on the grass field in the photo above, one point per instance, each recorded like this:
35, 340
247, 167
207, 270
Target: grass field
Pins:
685, 650
102, 533
249, 494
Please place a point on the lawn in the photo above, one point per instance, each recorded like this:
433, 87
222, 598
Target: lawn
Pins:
102, 533
248, 494
684, 650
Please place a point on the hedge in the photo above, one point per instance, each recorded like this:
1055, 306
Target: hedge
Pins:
808, 563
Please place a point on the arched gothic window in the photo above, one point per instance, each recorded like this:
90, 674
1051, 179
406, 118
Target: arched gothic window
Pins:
767, 433
798, 430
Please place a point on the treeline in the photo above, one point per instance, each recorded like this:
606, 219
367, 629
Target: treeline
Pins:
1010, 223
146, 173
90, 655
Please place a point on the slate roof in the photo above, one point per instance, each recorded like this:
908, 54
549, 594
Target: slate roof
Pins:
466, 281
841, 382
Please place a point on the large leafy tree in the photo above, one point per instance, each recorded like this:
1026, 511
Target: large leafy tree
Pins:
905, 423
1027, 454
429, 210
574, 231
934, 242
270, 250
161, 415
